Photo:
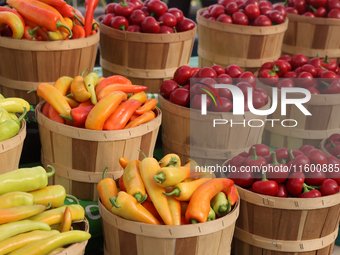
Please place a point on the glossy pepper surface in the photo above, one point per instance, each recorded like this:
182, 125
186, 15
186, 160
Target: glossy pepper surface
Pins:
133, 182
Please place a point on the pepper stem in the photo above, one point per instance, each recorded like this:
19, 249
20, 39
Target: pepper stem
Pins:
175, 30
77, 18
113, 202
313, 9
139, 197
33, 90
325, 83
31, 31
124, 4
264, 176
173, 162
66, 117
275, 162
21, 116
193, 221
59, 24
290, 153
254, 157
223, 209
73, 198
160, 177
122, 27
276, 68
49, 174
326, 61
176, 192
332, 145
104, 173
48, 206
143, 154
82, 73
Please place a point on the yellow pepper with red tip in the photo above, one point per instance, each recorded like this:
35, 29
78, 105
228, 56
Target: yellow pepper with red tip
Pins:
14, 22
133, 181
126, 206
232, 194
20, 212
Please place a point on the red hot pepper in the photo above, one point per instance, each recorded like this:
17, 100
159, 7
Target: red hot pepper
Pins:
298, 163
306, 148
265, 187
78, 115
268, 77
124, 9
29, 32
261, 150
282, 154
276, 171
309, 192
295, 183
329, 187
243, 179
255, 160
317, 157
334, 137
90, 6
281, 67
329, 64
282, 191
335, 151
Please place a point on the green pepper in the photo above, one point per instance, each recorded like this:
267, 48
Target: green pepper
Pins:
5, 115
13, 104
24, 179
220, 204
211, 215
8, 230
91, 81
11, 127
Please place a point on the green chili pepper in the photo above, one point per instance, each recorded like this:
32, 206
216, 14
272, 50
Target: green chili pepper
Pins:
11, 127
13, 104
211, 215
8, 230
47, 245
91, 81
5, 115
24, 179
220, 204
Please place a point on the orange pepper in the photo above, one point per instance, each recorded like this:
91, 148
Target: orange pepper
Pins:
140, 96
145, 117
45, 108
199, 205
120, 87
175, 208
121, 115
112, 80
20, 212
123, 162
54, 98
78, 32
170, 160
107, 188
133, 181
232, 194
184, 190
78, 89
67, 221
54, 115
150, 104
126, 206
148, 205
148, 168
133, 117
42, 32
63, 84
103, 110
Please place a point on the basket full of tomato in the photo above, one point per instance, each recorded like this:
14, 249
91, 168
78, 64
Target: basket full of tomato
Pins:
240, 32
145, 42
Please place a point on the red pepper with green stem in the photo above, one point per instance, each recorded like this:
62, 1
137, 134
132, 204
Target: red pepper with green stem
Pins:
42, 32
124, 9
295, 183
261, 150
309, 192
90, 6
276, 171
265, 187
29, 33
317, 157
329, 64
282, 191
298, 163
78, 115
255, 160
268, 77
42, 17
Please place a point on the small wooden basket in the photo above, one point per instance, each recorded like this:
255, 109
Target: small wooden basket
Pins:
11, 149
25, 64
285, 226
246, 46
213, 149
312, 36
146, 59
77, 248
80, 156
122, 237
310, 130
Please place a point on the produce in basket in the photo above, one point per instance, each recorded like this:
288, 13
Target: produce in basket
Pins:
180, 91
333, 145
148, 17
165, 192
319, 76
303, 173
248, 12
314, 8
111, 103
46, 20
28, 225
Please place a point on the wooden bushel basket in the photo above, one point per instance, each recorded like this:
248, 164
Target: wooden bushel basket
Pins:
144, 58
246, 46
80, 156
325, 121
311, 37
25, 64
125, 237
286, 226
215, 148
322, 147
10, 150
77, 248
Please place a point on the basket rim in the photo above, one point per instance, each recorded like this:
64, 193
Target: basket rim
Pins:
15, 140
316, 21
167, 231
239, 29
323, 148
99, 135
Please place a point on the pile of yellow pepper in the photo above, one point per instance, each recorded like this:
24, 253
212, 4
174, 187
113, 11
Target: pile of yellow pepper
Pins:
10, 124
33, 219
167, 193
90, 102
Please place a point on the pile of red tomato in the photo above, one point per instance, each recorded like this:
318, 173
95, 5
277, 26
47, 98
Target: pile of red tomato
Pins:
179, 91
319, 76
248, 12
333, 145
151, 16
315, 8
303, 173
